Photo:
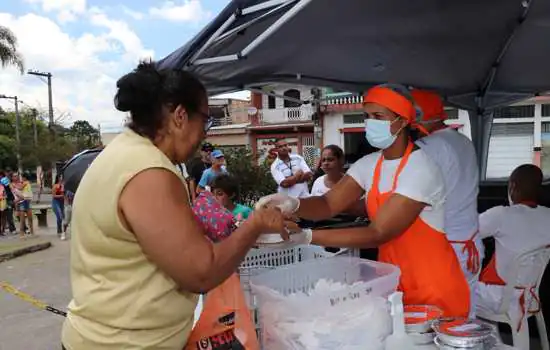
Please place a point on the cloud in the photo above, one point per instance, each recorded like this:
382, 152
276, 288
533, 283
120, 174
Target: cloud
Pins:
187, 11
132, 13
84, 67
67, 10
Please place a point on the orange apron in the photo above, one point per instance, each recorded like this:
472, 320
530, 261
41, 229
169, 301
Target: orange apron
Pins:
490, 277
430, 271
473, 264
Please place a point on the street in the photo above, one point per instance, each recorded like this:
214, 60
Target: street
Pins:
45, 276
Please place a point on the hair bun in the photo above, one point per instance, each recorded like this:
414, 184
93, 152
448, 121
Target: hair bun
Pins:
139, 88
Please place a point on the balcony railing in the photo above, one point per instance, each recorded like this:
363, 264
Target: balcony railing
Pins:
343, 98
286, 115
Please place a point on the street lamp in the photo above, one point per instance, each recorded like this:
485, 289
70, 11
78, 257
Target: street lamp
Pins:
17, 128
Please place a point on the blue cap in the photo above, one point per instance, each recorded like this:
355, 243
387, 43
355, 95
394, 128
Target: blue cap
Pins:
216, 153
5, 181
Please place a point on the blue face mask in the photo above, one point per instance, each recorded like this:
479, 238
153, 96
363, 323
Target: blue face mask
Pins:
378, 133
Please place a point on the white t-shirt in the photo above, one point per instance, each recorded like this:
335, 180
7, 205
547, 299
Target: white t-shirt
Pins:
516, 229
281, 170
420, 180
319, 188
455, 156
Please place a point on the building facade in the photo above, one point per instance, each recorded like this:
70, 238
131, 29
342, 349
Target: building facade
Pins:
520, 133
279, 115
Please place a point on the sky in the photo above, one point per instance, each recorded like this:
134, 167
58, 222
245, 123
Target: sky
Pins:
88, 44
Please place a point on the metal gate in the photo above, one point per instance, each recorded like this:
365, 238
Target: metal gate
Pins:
309, 152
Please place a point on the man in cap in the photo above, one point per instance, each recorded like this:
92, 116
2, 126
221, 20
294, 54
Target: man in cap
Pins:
455, 155
198, 166
217, 168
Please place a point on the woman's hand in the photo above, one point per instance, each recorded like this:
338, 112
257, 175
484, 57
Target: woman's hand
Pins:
272, 220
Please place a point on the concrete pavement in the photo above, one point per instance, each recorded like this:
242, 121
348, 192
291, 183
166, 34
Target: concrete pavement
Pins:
45, 276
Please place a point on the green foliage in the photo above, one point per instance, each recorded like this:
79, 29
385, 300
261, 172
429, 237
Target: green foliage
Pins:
254, 180
43, 146
84, 135
9, 55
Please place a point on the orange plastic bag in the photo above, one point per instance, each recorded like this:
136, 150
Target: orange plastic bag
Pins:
225, 322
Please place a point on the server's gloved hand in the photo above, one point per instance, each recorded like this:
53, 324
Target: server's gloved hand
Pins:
288, 205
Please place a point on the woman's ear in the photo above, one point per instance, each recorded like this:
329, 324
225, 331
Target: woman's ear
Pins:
181, 116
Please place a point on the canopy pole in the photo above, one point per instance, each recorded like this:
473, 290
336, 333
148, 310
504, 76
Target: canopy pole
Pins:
251, 22
274, 27
266, 5
481, 123
214, 36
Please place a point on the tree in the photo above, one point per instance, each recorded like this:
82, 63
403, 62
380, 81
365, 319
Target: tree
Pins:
84, 135
9, 56
254, 180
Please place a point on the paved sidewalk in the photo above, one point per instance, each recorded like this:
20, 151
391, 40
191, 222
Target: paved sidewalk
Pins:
45, 276
12, 246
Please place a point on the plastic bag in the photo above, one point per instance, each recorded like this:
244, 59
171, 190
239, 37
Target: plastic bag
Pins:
353, 322
225, 322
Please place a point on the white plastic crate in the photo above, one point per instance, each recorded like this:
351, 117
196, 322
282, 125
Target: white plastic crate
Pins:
259, 261
381, 279
378, 280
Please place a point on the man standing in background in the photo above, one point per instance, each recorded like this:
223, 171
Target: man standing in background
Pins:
198, 166
455, 156
290, 171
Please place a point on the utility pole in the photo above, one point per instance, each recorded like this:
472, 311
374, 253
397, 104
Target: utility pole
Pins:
48, 76
316, 93
34, 127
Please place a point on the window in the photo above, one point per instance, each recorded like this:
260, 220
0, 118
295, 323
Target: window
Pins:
546, 110
545, 153
515, 112
452, 113
271, 101
292, 93
354, 119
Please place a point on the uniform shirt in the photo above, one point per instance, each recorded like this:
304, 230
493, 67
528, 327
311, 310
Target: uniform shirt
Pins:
319, 188
281, 170
516, 230
455, 156
420, 180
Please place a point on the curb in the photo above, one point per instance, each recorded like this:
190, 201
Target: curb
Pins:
24, 251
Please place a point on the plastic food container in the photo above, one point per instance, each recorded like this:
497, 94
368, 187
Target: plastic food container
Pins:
419, 320
462, 333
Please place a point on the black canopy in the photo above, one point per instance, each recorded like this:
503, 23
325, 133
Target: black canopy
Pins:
478, 54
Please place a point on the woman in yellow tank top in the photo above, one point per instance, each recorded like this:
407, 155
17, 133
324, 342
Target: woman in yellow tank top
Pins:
138, 256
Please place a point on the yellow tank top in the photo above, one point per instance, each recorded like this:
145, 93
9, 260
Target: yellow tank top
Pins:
121, 301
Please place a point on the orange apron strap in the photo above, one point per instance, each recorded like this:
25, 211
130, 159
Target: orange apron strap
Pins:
402, 164
374, 193
473, 264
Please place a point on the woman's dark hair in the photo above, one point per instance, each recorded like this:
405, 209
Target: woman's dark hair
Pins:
58, 178
227, 184
146, 90
336, 151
